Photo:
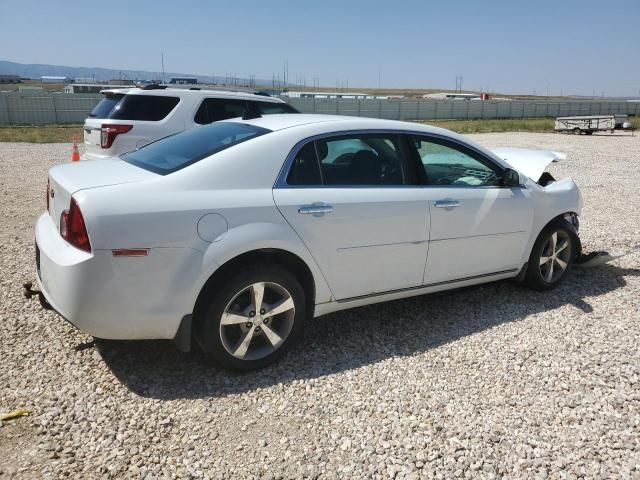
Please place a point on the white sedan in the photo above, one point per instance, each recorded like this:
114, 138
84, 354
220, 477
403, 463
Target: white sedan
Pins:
234, 233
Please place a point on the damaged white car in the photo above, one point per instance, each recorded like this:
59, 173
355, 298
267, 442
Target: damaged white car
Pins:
234, 233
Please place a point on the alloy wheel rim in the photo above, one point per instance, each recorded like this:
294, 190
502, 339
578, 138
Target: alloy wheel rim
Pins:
555, 256
257, 321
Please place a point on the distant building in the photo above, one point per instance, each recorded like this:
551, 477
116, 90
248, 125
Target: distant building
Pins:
9, 78
29, 89
345, 95
90, 87
183, 81
54, 79
456, 96
116, 81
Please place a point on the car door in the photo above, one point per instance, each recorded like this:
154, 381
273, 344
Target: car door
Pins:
355, 203
478, 227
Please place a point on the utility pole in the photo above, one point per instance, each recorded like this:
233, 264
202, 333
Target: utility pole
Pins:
162, 59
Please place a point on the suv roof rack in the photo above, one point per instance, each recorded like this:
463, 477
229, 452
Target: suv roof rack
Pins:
195, 88
154, 86
261, 93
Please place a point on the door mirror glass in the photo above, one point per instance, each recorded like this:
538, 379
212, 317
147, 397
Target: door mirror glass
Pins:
511, 178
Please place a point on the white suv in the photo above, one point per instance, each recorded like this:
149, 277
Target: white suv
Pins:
127, 119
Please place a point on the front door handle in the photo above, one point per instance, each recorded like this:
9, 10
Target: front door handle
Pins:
447, 203
316, 209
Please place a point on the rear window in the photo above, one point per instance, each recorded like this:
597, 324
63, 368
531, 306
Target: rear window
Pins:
183, 149
272, 108
143, 107
105, 105
150, 108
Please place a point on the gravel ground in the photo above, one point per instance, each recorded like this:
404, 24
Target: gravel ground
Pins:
488, 382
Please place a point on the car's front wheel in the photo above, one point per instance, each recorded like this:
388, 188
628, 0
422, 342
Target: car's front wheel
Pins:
551, 256
253, 318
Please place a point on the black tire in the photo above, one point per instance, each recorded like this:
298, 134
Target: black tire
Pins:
543, 276
217, 300
577, 131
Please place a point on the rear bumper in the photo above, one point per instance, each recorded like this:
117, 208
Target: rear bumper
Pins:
115, 298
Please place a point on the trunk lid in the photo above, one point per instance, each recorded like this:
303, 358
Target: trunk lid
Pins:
67, 179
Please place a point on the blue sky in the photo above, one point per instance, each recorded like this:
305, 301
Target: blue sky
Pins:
576, 47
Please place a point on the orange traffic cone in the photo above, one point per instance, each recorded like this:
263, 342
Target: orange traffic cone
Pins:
75, 154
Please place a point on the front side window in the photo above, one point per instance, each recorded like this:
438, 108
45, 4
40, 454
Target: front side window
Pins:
446, 165
183, 149
216, 109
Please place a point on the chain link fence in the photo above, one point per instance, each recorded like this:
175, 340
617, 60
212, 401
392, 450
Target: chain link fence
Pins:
54, 108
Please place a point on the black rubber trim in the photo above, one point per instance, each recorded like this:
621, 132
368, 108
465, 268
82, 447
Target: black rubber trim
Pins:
420, 287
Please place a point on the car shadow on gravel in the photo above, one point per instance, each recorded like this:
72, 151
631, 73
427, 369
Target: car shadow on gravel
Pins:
357, 337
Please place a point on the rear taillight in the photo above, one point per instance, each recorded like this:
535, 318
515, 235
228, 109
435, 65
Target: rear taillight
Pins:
110, 132
73, 229
48, 192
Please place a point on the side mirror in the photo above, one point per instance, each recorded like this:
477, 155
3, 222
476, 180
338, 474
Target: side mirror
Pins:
511, 178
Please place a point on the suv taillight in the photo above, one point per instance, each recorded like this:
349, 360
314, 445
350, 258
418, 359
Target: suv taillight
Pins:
73, 229
110, 132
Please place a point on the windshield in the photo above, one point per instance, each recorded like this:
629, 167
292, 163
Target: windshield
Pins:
183, 149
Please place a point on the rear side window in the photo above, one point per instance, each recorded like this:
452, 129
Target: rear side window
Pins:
271, 108
183, 149
104, 107
353, 160
216, 109
151, 108
305, 169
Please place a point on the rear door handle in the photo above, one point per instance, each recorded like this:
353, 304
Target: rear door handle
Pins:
316, 209
447, 203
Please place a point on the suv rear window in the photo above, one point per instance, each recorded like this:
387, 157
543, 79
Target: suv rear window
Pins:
104, 107
151, 108
183, 149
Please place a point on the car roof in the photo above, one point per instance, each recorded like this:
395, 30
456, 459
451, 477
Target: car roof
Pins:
327, 123
186, 92
315, 124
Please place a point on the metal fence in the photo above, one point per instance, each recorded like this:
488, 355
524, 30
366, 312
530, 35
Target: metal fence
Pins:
462, 109
50, 108
45, 108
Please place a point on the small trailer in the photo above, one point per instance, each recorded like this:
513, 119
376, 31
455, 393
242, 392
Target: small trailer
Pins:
588, 124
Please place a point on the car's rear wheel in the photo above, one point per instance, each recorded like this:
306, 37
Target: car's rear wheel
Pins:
253, 318
551, 256
577, 131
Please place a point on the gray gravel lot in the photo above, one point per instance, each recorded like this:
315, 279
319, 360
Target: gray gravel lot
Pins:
488, 382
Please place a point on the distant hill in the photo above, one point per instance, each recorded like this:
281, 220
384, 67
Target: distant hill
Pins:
35, 71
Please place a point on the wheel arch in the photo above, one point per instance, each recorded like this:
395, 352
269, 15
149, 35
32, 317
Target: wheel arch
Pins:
569, 218
284, 258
